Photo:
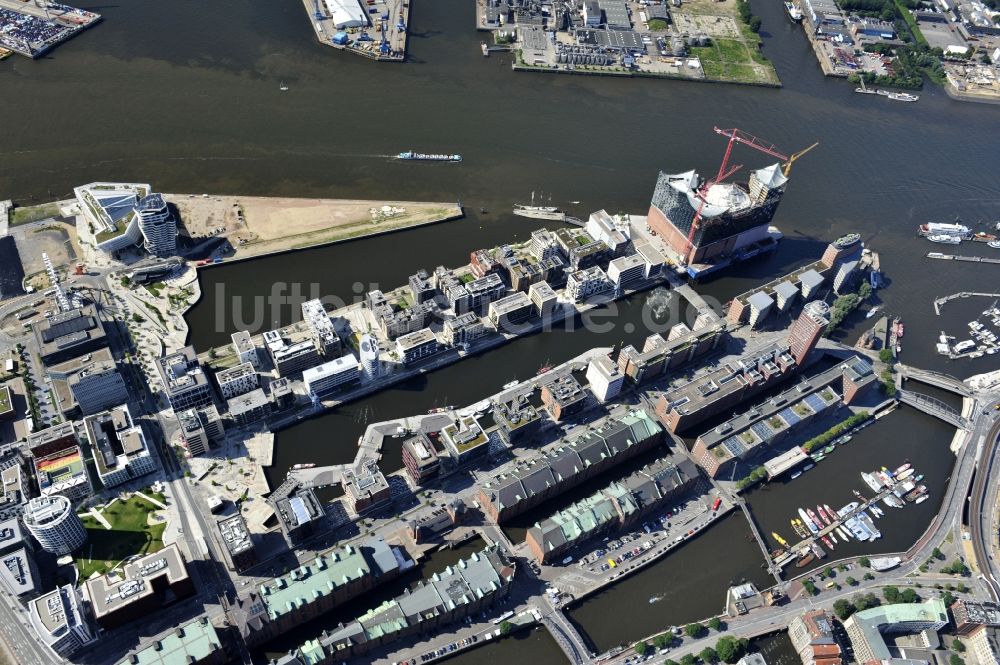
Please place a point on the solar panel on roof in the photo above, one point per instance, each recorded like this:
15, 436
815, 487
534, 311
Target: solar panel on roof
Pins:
734, 446
789, 416
762, 430
815, 402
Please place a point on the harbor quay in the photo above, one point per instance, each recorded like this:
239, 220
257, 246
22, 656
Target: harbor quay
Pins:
375, 29
33, 30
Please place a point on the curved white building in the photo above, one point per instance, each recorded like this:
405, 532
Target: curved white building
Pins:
369, 356
159, 229
54, 524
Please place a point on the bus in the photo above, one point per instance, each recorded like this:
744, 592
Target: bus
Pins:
503, 617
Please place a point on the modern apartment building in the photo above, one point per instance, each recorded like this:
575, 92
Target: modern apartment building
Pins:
183, 379
246, 351
583, 284
158, 226
54, 524
60, 622
416, 345
119, 446
237, 380
332, 375
321, 330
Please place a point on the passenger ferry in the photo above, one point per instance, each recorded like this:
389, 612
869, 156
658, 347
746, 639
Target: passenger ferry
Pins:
794, 13
410, 156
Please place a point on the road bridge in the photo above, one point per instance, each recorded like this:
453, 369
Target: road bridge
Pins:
933, 407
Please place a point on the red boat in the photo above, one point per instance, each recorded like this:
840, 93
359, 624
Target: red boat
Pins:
826, 541
815, 520
543, 369
822, 513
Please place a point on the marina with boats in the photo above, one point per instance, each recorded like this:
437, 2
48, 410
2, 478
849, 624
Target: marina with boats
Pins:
821, 528
984, 337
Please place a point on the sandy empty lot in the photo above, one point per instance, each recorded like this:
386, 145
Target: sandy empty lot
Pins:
258, 225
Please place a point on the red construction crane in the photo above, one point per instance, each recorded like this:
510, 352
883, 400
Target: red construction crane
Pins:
735, 136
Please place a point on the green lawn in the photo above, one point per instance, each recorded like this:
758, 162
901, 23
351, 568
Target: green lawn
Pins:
129, 535
656, 24
733, 60
33, 213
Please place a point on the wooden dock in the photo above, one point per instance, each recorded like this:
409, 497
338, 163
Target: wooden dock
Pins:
958, 257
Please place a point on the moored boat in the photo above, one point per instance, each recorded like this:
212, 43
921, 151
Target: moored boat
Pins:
843, 533
827, 542
296, 467
881, 564
902, 97
808, 522
823, 515
794, 13
777, 537
805, 560
921, 499
905, 474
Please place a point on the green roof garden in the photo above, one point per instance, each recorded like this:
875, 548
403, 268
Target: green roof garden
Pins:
120, 227
5, 404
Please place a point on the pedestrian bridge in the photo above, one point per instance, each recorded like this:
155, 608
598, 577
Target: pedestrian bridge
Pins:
933, 407
936, 379
567, 637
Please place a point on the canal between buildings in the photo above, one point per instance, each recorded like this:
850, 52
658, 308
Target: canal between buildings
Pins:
204, 114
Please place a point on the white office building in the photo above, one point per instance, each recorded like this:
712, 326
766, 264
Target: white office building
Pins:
54, 524
626, 269
158, 226
60, 623
109, 210
237, 380
605, 378
328, 376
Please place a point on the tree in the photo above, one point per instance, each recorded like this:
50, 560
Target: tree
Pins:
641, 648
506, 627
670, 662
729, 649
864, 601
755, 23
688, 659
715, 623
864, 291
663, 641
958, 646
936, 553
885, 355
843, 609
864, 562
828, 572
809, 587
850, 580
891, 594
694, 630
955, 660
708, 656
137, 318
909, 596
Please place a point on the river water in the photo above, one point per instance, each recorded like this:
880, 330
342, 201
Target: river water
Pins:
185, 95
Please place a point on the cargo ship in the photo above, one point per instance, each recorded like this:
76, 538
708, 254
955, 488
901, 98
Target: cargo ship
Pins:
409, 156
